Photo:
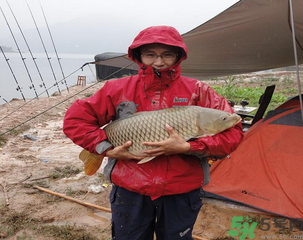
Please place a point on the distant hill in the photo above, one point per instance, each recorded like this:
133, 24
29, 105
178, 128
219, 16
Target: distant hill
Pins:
7, 49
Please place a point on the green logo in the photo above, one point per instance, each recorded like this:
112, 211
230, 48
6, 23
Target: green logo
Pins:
242, 228
245, 227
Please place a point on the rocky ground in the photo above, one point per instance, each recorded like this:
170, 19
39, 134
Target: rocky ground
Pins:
37, 153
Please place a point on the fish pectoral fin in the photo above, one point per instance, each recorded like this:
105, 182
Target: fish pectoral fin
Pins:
145, 160
205, 135
92, 162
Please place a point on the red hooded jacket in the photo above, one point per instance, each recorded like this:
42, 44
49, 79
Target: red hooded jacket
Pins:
165, 175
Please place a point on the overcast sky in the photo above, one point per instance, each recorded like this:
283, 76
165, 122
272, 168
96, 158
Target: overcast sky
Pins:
182, 14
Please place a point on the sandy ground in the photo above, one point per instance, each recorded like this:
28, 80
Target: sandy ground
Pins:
38, 155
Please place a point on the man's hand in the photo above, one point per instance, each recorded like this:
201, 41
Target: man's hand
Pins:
175, 144
121, 152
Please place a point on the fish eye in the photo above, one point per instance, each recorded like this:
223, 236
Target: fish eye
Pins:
224, 118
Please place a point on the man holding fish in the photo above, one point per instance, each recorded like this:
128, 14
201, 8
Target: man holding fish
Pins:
172, 138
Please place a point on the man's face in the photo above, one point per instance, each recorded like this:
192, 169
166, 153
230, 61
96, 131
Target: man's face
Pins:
159, 56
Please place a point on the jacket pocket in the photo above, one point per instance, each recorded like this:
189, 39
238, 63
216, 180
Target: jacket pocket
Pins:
112, 195
195, 199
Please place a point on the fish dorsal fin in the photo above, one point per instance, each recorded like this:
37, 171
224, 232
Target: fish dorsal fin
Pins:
92, 162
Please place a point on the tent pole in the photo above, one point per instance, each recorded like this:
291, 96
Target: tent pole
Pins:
296, 54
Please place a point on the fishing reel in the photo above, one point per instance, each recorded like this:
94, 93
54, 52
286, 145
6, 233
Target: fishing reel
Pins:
19, 88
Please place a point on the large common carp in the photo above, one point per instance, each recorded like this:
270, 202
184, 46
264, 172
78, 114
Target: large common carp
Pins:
149, 126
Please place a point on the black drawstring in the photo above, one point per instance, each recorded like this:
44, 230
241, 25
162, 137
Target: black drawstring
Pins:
172, 75
143, 68
157, 72
153, 102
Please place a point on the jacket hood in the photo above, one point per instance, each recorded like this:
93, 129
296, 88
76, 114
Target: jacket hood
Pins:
157, 34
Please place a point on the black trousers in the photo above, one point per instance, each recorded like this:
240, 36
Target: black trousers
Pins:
137, 217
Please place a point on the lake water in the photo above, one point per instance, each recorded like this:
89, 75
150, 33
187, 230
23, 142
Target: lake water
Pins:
69, 62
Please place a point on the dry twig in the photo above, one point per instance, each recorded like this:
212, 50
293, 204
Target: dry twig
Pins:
21, 181
3, 184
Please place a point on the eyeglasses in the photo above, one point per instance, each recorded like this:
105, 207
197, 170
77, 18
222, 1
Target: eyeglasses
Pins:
152, 57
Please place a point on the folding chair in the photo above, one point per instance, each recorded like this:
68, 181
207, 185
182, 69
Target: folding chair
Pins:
263, 104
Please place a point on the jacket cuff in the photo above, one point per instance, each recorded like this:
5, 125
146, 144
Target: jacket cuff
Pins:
196, 147
103, 147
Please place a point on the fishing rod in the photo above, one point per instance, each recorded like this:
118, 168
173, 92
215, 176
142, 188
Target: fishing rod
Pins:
54, 47
23, 59
18, 88
47, 56
53, 86
38, 95
5, 100
34, 59
77, 93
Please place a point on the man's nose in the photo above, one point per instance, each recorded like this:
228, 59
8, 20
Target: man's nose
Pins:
159, 61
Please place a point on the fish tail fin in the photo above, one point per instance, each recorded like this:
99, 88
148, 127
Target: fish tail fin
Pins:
92, 162
145, 160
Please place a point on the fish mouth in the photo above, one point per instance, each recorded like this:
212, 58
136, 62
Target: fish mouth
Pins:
238, 121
